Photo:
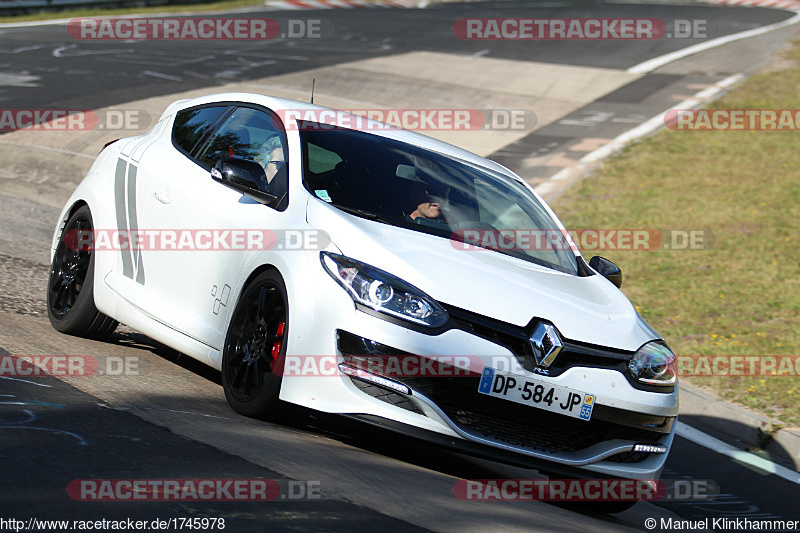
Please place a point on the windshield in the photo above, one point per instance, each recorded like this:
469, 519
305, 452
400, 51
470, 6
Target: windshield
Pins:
400, 184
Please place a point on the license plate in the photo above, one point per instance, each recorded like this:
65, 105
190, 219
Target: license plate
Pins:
536, 393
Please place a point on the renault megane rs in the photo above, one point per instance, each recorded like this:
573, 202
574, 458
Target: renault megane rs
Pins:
323, 260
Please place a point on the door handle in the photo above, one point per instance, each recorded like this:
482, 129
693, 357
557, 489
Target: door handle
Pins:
162, 196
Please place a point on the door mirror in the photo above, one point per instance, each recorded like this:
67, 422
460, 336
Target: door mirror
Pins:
607, 269
246, 177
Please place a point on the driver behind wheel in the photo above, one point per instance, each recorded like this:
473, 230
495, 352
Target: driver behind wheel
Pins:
423, 205
271, 157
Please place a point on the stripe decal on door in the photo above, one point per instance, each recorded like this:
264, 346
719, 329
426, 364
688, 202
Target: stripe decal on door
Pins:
126, 218
122, 218
132, 221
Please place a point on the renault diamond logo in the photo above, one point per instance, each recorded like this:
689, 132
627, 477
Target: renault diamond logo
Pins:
546, 344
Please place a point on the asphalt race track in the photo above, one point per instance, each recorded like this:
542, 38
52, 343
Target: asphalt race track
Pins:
164, 416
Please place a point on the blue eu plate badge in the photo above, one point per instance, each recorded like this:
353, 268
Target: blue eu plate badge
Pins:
486, 380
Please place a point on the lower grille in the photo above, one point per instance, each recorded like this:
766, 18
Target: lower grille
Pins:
504, 421
519, 425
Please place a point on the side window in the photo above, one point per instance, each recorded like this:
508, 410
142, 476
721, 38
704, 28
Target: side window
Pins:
321, 160
249, 134
192, 124
255, 135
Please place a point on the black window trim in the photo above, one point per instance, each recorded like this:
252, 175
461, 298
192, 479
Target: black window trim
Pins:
215, 126
227, 110
232, 106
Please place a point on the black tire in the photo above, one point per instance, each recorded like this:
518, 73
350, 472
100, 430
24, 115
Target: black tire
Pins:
70, 288
255, 348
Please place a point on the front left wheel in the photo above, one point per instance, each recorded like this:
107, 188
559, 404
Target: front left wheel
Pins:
255, 347
70, 288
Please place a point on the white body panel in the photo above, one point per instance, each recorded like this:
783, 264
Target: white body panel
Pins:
185, 299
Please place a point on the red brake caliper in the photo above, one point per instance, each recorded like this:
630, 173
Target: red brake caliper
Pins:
276, 346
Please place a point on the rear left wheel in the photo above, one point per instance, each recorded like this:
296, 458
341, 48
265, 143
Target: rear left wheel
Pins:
70, 289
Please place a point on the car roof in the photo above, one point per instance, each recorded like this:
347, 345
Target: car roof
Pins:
345, 120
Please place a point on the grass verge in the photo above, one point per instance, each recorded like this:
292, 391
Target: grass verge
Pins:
742, 295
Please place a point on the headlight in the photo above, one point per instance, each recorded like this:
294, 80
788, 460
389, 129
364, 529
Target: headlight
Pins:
383, 292
653, 364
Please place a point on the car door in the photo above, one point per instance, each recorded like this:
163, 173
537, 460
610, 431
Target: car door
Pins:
135, 175
205, 229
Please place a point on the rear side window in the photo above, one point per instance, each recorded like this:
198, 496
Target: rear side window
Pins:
255, 134
246, 133
192, 124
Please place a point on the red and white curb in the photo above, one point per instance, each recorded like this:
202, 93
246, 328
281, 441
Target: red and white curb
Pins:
337, 4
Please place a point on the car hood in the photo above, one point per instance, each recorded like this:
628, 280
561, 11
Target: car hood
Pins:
585, 309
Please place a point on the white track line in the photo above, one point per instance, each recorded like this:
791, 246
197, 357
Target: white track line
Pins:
652, 64
657, 121
707, 441
641, 130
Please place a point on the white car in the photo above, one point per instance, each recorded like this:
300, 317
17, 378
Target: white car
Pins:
322, 260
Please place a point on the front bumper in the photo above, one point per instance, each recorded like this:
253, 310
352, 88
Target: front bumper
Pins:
606, 444
649, 470
450, 410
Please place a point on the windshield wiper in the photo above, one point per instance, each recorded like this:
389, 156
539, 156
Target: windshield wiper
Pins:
366, 214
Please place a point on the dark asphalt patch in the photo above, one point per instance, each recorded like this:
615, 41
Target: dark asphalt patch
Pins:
51, 434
